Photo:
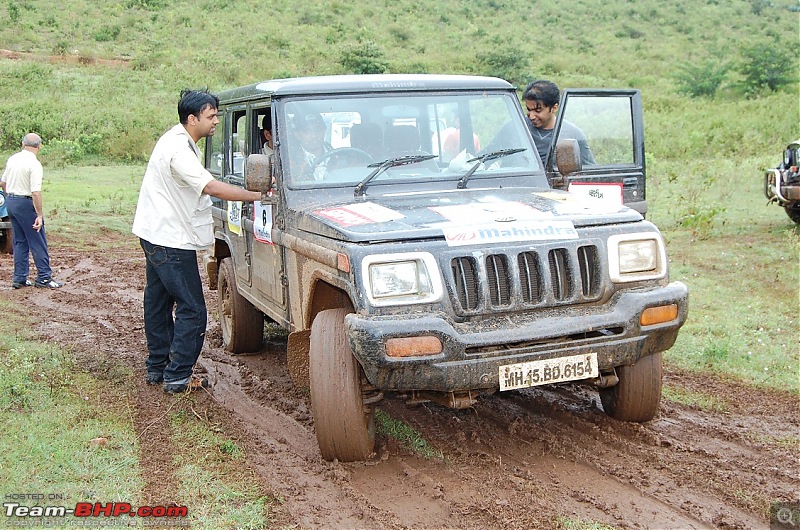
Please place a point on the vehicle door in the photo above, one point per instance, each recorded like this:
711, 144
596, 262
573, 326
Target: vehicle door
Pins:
267, 257
236, 150
609, 129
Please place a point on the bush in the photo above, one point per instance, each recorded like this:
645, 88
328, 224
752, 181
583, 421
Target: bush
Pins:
697, 80
509, 64
767, 65
364, 58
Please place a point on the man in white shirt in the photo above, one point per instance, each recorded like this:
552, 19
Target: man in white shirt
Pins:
173, 221
22, 184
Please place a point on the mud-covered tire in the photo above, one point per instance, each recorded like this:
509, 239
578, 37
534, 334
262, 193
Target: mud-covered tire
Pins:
345, 430
638, 394
242, 324
7, 242
793, 212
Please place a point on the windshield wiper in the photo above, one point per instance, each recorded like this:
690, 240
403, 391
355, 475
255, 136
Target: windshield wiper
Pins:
462, 182
380, 167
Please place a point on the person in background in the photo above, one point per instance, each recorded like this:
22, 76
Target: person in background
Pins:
22, 184
173, 221
266, 135
541, 104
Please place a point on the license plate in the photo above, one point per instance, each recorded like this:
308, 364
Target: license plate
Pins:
548, 371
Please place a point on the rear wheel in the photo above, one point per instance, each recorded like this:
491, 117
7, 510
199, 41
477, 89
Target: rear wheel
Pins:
345, 427
793, 211
242, 324
637, 395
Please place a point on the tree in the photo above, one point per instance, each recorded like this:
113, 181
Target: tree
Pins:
767, 65
364, 58
697, 80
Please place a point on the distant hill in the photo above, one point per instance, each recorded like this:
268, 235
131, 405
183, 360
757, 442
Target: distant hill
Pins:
100, 78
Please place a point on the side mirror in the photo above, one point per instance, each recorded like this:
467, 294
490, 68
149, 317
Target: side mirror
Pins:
568, 157
259, 173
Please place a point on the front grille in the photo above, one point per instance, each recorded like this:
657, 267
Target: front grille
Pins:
555, 276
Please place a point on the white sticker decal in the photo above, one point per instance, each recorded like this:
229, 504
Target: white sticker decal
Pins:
506, 232
489, 212
235, 217
608, 192
262, 222
359, 214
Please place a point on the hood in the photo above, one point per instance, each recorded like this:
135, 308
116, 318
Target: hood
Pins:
440, 214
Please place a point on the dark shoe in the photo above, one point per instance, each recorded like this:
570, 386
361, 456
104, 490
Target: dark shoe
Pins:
20, 285
49, 284
194, 384
154, 378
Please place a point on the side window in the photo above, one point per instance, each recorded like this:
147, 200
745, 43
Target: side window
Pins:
603, 125
215, 146
239, 144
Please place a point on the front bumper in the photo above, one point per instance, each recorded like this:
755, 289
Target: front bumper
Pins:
474, 351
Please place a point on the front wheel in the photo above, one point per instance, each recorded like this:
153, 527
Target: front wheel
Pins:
242, 324
637, 395
793, 211
345, 427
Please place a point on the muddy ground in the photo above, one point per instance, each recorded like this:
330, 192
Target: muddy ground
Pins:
523, 459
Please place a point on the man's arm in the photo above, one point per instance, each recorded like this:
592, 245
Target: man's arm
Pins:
37, 205
229, 192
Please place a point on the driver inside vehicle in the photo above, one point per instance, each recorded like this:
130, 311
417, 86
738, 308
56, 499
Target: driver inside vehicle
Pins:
310, 146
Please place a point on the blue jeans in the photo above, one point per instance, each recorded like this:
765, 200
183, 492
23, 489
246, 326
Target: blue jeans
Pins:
173, 281
27, 240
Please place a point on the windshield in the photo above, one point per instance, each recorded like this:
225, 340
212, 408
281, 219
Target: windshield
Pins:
339, 141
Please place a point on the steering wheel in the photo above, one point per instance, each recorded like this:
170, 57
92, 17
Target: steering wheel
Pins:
343, 152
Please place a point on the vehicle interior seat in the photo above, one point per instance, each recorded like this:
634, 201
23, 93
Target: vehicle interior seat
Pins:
368, 137
402, 140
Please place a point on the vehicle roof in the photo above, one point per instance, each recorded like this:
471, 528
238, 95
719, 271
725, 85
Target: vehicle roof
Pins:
359, 84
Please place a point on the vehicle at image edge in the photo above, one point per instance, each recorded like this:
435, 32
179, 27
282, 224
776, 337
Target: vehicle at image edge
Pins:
439, 277
6, 234
782, 184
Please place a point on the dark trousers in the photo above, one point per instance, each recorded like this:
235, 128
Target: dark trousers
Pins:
27, 241
173, 282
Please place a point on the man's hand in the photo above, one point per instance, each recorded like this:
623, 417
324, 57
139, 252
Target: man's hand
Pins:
37, 224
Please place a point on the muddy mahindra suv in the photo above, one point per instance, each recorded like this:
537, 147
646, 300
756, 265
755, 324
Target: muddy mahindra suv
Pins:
410, 240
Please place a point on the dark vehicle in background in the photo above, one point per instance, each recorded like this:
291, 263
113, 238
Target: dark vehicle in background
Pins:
782, 185
6, 234
420, 247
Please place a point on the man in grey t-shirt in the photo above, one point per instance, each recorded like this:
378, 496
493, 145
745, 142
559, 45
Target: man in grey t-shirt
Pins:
541, 104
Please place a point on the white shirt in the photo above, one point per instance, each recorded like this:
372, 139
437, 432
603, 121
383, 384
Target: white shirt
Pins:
23, 174
173, 211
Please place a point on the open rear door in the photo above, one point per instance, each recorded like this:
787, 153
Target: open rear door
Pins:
610, 132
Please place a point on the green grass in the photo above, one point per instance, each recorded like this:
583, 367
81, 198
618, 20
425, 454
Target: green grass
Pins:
742, 272
50, 411
84, 203
68, 434
405, 435
564, 523
210, 472
697, 400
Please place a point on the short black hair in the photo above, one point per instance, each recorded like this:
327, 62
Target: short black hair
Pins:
195, 102
542, 90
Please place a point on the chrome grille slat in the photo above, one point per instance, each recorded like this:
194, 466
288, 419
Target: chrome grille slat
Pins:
499, 281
